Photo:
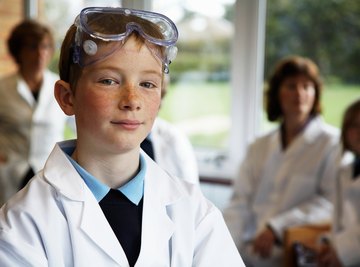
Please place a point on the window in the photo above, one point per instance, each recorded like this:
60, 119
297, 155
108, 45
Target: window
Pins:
61, 14
330, 39
199, 99
212, 75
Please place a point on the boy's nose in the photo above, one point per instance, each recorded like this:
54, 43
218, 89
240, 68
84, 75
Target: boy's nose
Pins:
129, 99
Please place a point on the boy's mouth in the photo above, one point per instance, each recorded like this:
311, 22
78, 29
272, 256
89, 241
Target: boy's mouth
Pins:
128, 124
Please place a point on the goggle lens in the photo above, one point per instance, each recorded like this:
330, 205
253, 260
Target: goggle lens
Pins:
119, 16
116, 24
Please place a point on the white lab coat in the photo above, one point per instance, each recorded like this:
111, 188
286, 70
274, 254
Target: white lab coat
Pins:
56, 221
346, 226
283, 189
173, 151
29, 129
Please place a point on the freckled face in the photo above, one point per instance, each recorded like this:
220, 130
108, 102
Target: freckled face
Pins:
297, 96
118, 98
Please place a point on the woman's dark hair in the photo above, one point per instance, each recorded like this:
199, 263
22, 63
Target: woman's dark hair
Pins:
25, 31
349, 117
290, 67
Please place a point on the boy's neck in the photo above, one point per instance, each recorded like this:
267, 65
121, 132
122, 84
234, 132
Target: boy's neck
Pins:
113, 171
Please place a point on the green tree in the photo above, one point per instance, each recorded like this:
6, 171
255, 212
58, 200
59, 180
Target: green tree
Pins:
327, 31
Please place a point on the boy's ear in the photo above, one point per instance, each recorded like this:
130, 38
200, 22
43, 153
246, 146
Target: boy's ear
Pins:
64, 96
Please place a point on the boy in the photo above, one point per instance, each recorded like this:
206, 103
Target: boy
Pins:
100, 201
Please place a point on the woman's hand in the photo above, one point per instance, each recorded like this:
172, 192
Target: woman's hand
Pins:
264, 242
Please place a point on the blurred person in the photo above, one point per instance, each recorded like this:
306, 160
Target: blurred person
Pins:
169, 147
31, 122
341, 248
287, 176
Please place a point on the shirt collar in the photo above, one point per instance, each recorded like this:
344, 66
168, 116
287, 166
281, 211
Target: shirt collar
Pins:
133, 189
149, 136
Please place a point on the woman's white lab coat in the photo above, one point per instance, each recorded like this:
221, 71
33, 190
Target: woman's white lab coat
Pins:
283, 188
29, 129
173, 151
56, 221
346, 226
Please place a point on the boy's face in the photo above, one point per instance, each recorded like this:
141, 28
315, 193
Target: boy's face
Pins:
117, 99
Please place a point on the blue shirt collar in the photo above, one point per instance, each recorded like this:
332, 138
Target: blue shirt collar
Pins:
149, 136
133, 190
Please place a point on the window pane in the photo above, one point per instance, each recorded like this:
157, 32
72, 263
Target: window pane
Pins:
328, 33
198, 99
60, 14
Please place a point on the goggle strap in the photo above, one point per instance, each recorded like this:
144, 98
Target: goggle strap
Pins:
76, 54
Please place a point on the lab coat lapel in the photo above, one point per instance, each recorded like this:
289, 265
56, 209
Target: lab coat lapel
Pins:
95, 225
271, 162
25, 92
283, 163
82, 209
305, 138
157, 226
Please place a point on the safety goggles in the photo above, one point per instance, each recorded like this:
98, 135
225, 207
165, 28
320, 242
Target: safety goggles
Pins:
103, 30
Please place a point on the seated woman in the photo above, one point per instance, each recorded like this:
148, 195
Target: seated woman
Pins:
287, 176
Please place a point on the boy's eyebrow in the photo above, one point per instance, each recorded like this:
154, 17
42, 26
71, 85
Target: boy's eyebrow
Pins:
152, 72
117, 69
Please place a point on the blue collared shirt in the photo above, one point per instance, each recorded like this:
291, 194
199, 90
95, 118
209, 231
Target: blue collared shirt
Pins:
133, 190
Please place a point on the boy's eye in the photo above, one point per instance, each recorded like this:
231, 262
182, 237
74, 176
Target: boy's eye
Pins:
107, 82
147, 85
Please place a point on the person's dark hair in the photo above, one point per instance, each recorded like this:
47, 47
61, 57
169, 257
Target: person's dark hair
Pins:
290, 67
349, 117
25, 31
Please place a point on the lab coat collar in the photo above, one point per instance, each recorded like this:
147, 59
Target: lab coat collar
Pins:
25, 92
311, 134
347, 167
308, 136
92, 220
65, 179
79, 204
313, 129
160, 190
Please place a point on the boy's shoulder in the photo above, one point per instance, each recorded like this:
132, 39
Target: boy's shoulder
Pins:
31, 197
34, 207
